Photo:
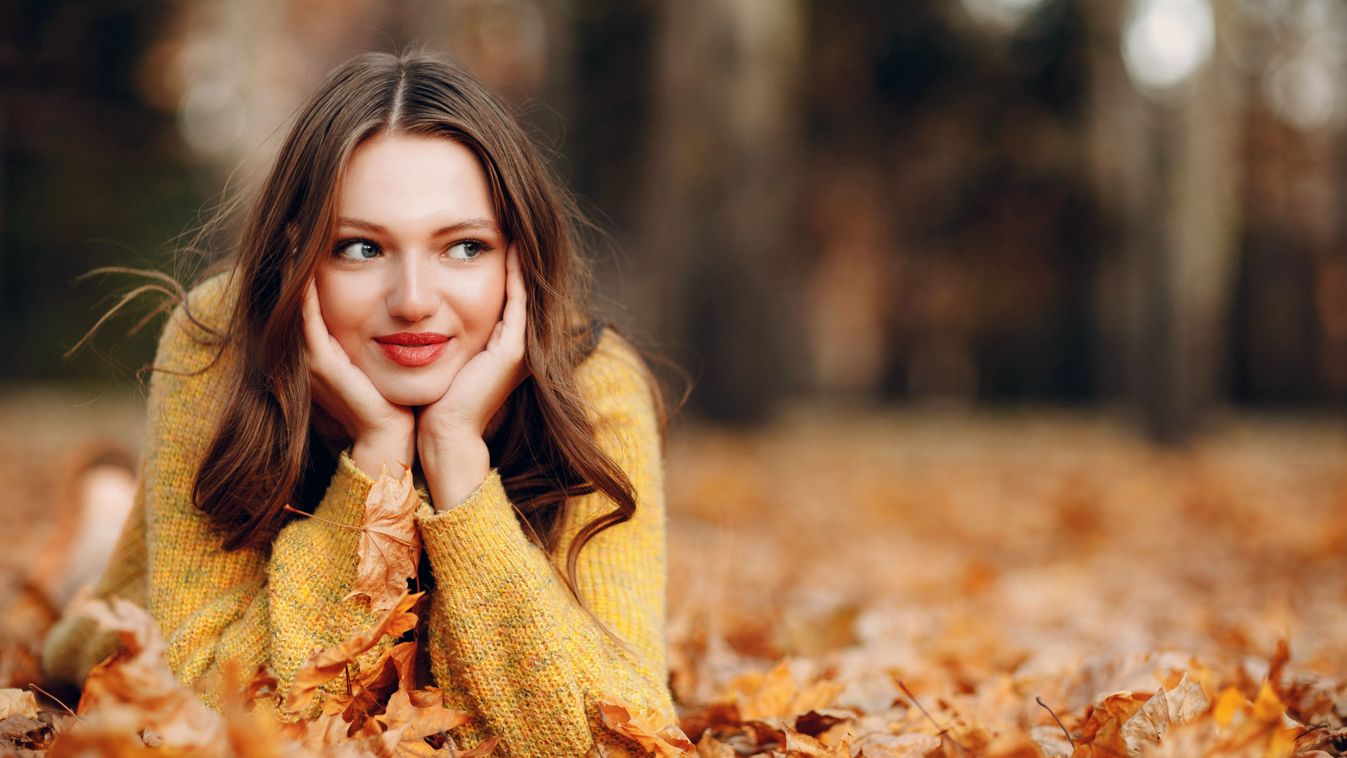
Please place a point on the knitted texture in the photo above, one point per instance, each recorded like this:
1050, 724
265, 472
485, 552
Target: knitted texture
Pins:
507, 642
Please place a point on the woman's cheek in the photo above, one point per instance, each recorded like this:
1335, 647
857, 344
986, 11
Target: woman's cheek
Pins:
480, 306
345, 310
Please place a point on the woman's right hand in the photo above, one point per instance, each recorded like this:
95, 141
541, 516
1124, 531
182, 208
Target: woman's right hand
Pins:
381, 431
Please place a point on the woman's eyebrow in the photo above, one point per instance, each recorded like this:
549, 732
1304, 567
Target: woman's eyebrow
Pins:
469, 224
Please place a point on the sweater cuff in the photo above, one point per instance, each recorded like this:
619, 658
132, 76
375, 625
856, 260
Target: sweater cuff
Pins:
344, 501
476, 533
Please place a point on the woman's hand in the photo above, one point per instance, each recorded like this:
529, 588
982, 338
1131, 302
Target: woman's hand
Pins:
380, 430
450, 432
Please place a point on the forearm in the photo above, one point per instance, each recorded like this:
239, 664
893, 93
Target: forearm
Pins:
501, 614
455, 466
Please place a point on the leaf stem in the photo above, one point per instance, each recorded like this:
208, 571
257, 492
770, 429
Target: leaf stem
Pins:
943, 733
1039, 700
55, 699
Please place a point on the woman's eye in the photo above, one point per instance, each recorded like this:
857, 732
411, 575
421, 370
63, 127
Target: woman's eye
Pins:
466, 250
357, 250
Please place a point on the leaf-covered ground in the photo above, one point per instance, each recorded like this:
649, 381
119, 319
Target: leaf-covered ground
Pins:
913, 583
987, 562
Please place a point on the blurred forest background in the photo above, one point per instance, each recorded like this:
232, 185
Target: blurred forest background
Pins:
981, 202
943, 272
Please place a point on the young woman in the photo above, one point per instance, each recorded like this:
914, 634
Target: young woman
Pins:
407, 290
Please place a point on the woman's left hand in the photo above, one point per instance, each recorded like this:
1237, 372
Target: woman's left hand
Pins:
450, 431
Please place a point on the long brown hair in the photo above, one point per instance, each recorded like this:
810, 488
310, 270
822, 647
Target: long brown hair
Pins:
264, 451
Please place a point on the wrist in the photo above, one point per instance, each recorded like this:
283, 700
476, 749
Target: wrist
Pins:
454, 467
371, 453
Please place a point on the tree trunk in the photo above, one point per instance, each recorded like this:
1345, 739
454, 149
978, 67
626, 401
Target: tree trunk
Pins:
721, 246
1167, 176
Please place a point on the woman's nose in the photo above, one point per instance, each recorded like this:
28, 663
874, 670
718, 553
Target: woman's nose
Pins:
411, 296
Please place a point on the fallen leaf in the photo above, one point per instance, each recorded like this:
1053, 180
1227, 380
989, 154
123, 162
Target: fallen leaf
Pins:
710, 747
1101, 732
136, 685
1228, 705
371, 688
390, 545
329, 663
714, 715
1051, 741
643, 726
1313, 698
1146, 726
1329, 741
421, 720
817, 721
1179, 705
774, 694
16, 702
19, 732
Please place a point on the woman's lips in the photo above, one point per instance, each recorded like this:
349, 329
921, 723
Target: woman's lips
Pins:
413, 349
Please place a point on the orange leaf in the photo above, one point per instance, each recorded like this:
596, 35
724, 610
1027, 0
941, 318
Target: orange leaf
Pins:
372, 686
329, 663
1229, 703
1101, 731
710, 747
420, 721
135, 689
390, 545
1267, 707
642, 726
775, 694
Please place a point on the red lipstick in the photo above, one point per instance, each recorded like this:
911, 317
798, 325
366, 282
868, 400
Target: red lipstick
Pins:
413, 349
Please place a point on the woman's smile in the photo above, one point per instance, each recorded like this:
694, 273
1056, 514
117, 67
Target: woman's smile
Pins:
413, 349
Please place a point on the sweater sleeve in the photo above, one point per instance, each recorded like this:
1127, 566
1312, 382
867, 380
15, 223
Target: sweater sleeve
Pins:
507, 639
258, 605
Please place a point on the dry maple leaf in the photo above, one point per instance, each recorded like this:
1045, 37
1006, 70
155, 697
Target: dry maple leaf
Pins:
253, 726
775, 734
370, 689
1327, 741
390, 545
136, 687
408, 722
643, 727
328, 664
1313, 698
1101, 732
1148, 726
775, 694
1261, 723
715, 716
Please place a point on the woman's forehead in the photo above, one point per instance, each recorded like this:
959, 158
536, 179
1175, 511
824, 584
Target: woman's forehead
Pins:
414, 181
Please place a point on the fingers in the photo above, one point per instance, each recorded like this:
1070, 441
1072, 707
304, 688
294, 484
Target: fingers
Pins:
494, 342
516, 312
315, 330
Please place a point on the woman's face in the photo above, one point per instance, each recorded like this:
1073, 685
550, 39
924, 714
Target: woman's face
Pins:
414, 279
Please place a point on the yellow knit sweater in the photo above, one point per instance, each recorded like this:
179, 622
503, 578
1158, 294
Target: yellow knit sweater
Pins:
506, 640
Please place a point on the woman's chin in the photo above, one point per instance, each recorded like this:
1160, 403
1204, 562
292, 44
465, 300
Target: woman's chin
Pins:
412, 396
